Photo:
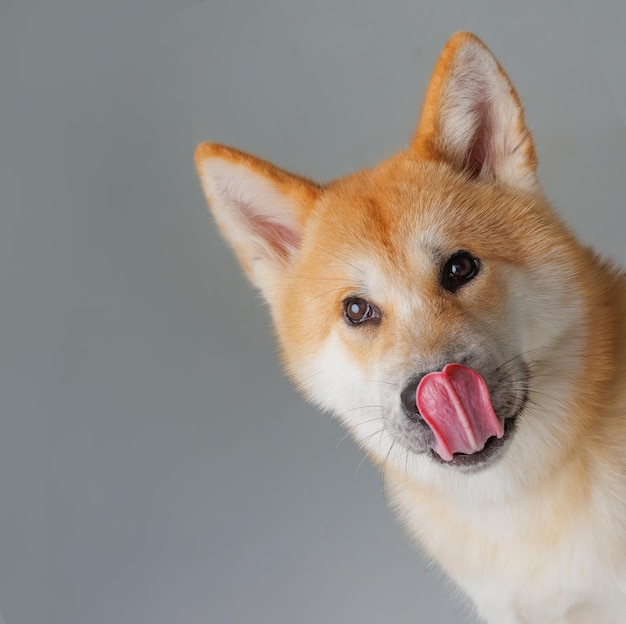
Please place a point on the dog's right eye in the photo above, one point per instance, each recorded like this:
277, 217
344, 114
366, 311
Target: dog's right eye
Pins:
357, 310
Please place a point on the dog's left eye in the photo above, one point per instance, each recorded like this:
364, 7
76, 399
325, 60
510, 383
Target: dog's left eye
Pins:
357, 310
458, 270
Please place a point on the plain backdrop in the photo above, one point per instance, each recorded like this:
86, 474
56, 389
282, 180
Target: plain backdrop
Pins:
155, 465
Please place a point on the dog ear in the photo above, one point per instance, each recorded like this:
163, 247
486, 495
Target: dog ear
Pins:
259, 208
472, 118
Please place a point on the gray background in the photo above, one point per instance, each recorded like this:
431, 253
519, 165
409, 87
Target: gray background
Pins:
155, 465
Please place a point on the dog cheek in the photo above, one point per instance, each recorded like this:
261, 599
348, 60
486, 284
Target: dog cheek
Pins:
301, 336
331, 379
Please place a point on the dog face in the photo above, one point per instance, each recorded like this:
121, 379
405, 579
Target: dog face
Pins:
408, 268
444, 254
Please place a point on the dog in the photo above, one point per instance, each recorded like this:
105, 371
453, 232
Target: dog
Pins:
476, 350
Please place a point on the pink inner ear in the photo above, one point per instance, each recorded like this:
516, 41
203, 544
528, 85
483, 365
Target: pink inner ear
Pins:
479, 155
281, 238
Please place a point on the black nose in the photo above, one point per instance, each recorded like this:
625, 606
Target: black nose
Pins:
407, 397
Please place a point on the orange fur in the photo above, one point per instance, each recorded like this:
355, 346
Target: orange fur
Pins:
539, 535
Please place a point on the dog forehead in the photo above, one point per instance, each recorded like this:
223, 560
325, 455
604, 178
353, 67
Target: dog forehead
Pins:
394, 205
405, 210
379, 227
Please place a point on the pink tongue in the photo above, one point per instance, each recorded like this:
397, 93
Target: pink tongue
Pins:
456, 405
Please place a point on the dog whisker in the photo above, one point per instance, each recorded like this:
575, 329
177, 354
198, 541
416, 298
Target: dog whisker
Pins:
384, 467
360, 407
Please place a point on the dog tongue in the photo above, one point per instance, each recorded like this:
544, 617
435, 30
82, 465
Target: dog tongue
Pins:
456, 405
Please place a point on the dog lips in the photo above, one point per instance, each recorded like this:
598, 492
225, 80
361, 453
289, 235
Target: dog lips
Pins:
455, 404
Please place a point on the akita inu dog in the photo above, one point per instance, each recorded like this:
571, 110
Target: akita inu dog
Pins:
437, 305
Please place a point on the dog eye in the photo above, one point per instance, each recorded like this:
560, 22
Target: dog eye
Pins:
357, 310
458, 270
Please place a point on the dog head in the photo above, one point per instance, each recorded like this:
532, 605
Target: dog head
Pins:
445, 254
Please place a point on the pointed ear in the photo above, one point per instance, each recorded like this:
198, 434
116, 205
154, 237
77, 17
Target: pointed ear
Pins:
259, 208
472, 117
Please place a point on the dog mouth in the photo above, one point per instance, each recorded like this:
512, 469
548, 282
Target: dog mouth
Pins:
494, 447
460, 422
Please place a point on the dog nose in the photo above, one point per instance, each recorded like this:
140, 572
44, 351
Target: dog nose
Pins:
407, 398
